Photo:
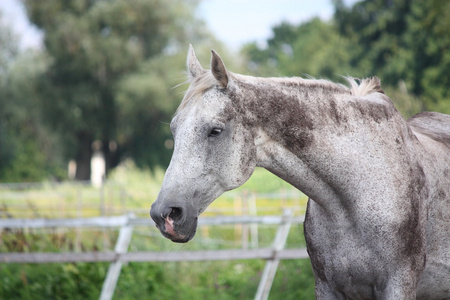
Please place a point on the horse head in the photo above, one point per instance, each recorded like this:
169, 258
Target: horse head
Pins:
214, 150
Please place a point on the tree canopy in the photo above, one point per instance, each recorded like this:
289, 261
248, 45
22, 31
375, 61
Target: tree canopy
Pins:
404, 42
24, 141
94, 86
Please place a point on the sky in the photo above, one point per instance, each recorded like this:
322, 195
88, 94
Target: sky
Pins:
234, 22
14, 15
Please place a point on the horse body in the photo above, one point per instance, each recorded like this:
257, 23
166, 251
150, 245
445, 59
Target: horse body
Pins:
433, 132
382, 253
378, 216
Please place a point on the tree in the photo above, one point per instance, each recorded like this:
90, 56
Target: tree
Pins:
146, 100
26, 152
8, 51
401, 40
34, 153
95, 46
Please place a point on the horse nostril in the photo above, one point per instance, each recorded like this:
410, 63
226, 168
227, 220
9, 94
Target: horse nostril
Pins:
166, 212
176, 213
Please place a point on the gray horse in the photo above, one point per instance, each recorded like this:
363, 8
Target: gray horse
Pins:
378, 218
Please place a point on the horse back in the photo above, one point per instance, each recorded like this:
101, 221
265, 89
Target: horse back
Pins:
432, 124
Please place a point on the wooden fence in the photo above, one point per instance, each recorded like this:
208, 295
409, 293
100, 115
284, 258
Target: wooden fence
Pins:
126, 223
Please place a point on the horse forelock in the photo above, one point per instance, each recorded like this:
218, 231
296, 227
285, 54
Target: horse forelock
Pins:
198, 85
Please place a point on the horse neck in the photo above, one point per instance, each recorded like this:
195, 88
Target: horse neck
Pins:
290, 110
315, 135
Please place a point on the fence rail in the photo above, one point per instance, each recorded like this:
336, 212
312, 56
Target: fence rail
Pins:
126, 220
118, 221
153, 256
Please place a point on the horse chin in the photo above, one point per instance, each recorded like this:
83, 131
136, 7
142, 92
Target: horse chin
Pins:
181, 239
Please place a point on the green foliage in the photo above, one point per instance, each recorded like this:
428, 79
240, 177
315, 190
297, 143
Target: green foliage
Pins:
27, 164
26, 147
146, 101
405, 102
403, 42
194, 280
294, 280
312, 49
52, 281
49, 281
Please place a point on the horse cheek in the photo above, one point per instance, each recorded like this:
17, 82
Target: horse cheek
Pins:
246, 161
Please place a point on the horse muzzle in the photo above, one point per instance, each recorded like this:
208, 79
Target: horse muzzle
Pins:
177, 223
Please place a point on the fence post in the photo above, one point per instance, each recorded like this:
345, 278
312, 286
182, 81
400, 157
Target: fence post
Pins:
272, 264
238, 212
253, 227
245, 212
123, 241
79, 215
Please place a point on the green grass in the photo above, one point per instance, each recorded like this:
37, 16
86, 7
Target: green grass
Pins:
145, 184
191, 280
143, 187
194, 280
131, 189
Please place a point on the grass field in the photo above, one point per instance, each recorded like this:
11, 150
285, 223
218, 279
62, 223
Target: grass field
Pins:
129, 188
271, 192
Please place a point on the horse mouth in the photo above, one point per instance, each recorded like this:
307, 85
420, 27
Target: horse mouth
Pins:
178, 233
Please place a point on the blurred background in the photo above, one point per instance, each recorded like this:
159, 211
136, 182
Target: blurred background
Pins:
77, 72
88, 89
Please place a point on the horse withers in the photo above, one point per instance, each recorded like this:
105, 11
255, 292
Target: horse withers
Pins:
377, 224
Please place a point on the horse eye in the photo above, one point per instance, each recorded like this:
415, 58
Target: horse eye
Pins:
215, 132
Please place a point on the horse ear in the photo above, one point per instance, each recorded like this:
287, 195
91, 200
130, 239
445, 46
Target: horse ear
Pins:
193, 65
218, 69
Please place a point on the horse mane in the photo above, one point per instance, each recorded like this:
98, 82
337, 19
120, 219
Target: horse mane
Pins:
365, 87
203, 82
